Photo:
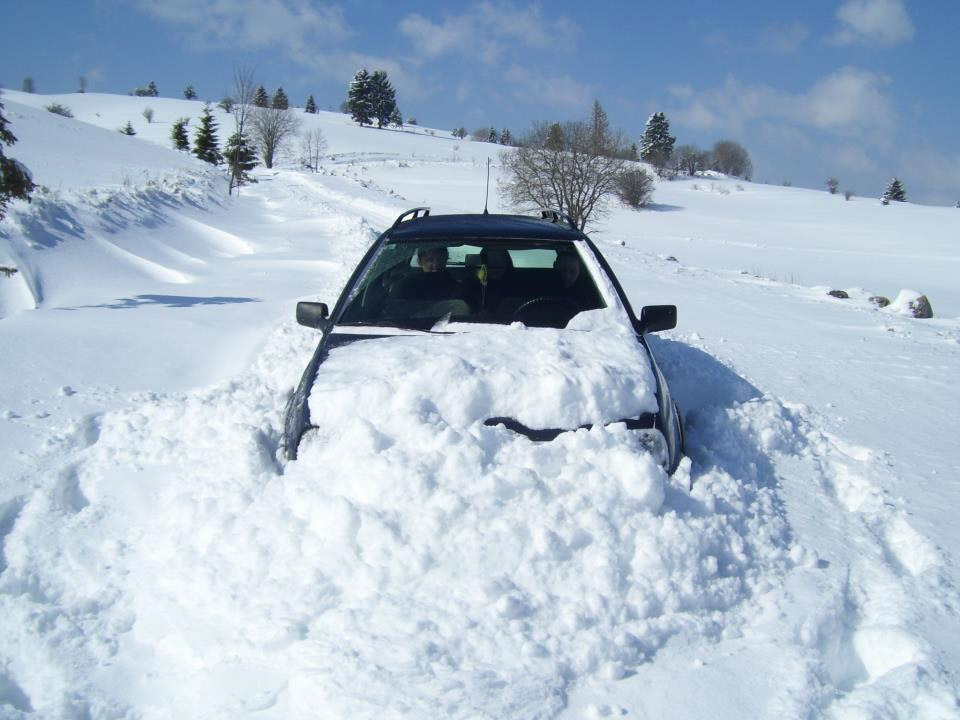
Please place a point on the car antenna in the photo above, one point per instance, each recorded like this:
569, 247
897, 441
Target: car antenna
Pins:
487, 198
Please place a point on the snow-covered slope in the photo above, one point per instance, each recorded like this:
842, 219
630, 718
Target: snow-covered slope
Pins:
158, 560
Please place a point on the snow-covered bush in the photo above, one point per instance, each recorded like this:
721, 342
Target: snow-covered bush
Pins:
58, 109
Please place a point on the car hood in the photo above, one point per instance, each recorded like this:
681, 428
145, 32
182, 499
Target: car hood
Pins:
541, 377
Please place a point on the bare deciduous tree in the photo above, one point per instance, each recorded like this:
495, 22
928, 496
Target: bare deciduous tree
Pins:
732, 158
312, 145
271, 128
241, 103
148, 114
563, 166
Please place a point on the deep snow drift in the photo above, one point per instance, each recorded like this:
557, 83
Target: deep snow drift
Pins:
160, 561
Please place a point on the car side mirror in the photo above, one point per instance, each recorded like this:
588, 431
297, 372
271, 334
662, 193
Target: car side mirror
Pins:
313, 315
654, 318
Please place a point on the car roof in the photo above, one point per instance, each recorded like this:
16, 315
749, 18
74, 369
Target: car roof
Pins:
478, 225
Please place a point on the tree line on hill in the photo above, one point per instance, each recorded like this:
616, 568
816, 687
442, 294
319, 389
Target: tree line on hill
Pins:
601, 162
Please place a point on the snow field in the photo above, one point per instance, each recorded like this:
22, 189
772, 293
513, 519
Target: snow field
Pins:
156, 558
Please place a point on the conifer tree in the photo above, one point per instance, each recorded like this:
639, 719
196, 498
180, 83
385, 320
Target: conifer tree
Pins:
15, 180
895, 191
311, 106
359, 99
128, 129
396, 119
280, 100
493, 137
189, 93
383, 98
599, 127
260, 98
241, 159
656, 146
179, 134
205, 144
152, 89
505, 137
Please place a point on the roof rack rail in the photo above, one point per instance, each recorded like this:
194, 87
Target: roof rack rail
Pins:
412, 214
556, 217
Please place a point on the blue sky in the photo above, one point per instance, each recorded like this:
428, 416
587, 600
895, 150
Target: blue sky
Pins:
858, 89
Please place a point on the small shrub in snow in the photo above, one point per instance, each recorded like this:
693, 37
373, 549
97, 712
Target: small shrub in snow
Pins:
58, 109
411, 121
8, 271
635, 187
148, 114
840, 294
847, 194
226, 104
832, 185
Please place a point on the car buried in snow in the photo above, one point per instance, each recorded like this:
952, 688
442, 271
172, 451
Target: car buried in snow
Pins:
492, 323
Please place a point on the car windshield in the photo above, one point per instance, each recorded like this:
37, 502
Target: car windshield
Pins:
417, 284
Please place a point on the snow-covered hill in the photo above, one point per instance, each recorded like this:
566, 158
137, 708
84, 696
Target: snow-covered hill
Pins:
159, 561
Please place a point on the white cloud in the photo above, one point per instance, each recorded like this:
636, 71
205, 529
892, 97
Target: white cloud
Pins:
879, 22
854, 158
293, 25
555, 91
487, 32
848, 102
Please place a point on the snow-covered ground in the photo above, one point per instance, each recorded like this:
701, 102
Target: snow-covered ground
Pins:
159, 560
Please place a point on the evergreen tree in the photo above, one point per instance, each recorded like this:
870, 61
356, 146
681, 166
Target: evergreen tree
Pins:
895, 191
15, 180
241, 159
260, 98
359, 98
599, 128
128, 129
152, 89
205, 144
189, 93
311, 106
832, 185
505, 137
656, 147
459, 132
179, 134
492, 137
555, 140
383, 98
28, 85
280, 101
396, 119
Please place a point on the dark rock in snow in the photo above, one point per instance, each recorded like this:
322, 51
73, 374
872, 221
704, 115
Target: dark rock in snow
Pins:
842, 294
920, 308
671, 258
880, 301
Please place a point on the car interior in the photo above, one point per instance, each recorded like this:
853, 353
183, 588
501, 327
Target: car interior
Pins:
490, 281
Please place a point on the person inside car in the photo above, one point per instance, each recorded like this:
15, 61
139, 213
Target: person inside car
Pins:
433, 282
567, 266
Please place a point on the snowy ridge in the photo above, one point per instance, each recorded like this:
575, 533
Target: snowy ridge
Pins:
157, 558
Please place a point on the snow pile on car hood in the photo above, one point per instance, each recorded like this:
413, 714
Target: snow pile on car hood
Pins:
542, 377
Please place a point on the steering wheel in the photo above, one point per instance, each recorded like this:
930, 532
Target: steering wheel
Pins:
546, 303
